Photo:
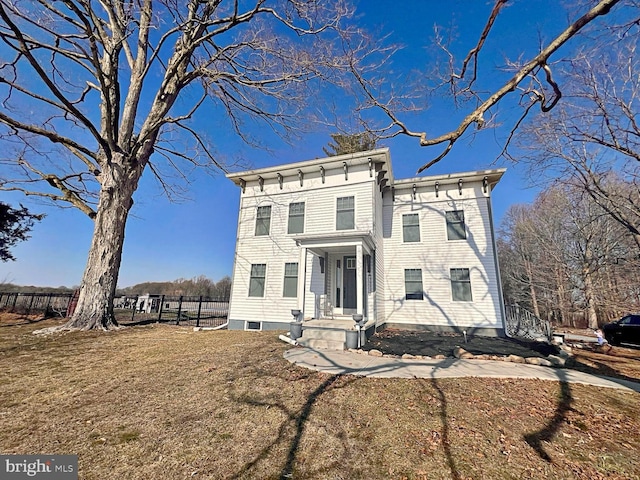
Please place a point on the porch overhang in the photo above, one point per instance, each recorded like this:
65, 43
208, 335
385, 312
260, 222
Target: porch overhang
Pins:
318, 244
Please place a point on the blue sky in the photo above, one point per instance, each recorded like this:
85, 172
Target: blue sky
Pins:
166, 241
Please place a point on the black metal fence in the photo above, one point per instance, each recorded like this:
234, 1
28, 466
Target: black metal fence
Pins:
177, 310
28, 303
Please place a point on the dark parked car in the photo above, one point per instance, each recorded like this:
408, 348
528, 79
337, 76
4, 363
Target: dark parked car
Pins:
625, 330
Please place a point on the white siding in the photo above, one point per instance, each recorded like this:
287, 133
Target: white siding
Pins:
381, 216
279, 247
435, 255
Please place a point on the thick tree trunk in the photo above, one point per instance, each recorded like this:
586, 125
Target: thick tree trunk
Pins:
589, 294
562, 304
532, 290
95, 303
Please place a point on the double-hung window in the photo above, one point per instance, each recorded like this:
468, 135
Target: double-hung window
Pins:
290, 280
263, 220
410, 227
256, 282
460, 284
413, 284
296, 218
455, 225
345, 213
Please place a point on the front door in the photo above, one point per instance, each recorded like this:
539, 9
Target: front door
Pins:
349, 286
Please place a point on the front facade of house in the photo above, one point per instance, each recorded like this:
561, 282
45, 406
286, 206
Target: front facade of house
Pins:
339, 236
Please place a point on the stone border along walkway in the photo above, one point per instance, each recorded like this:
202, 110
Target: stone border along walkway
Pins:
460, 353
362, 363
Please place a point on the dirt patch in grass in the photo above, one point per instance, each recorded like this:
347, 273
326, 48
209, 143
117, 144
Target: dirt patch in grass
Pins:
165, 402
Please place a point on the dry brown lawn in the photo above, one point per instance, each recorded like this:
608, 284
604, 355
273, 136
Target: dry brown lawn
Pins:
164, 402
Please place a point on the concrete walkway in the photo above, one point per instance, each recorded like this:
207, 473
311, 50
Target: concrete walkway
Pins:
343, 362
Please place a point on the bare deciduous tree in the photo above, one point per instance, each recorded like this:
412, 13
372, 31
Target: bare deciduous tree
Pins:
564, 257
532, 82
593, 138
94, 93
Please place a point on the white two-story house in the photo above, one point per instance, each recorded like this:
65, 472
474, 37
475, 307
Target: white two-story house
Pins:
340, 236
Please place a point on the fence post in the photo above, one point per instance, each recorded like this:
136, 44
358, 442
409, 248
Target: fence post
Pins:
199, 309
33, 296
15, 299
135, 307
179, 310
160, 309
48, 306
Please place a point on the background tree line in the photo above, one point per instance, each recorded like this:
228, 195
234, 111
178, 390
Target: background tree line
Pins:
567, 260
194, 287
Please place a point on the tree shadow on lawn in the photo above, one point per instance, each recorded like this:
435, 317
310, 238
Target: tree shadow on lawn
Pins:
399, 342
292, 429
298, 419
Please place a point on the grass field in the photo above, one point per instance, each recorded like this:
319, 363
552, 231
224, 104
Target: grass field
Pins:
164, 402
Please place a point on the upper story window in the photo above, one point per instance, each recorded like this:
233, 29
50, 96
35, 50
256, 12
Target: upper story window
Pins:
455, 225
345, 214
411, 227
296, 218
460, 284
413, 284
263, 220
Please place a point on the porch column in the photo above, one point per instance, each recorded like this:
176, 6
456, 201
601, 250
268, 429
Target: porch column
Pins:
359, 299
302, 278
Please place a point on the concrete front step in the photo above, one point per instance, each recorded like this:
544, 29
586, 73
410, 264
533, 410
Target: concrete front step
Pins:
323, 337
324, 334
321, 344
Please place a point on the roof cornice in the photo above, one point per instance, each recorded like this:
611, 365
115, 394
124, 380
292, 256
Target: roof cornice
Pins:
380, 155
493, 177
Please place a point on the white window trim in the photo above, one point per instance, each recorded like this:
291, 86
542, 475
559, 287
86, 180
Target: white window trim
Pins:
404, 280
470, 284
335, 211
255, 228
446, 225
247, 329
418, 225
304, 221
284, 277
264, 293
